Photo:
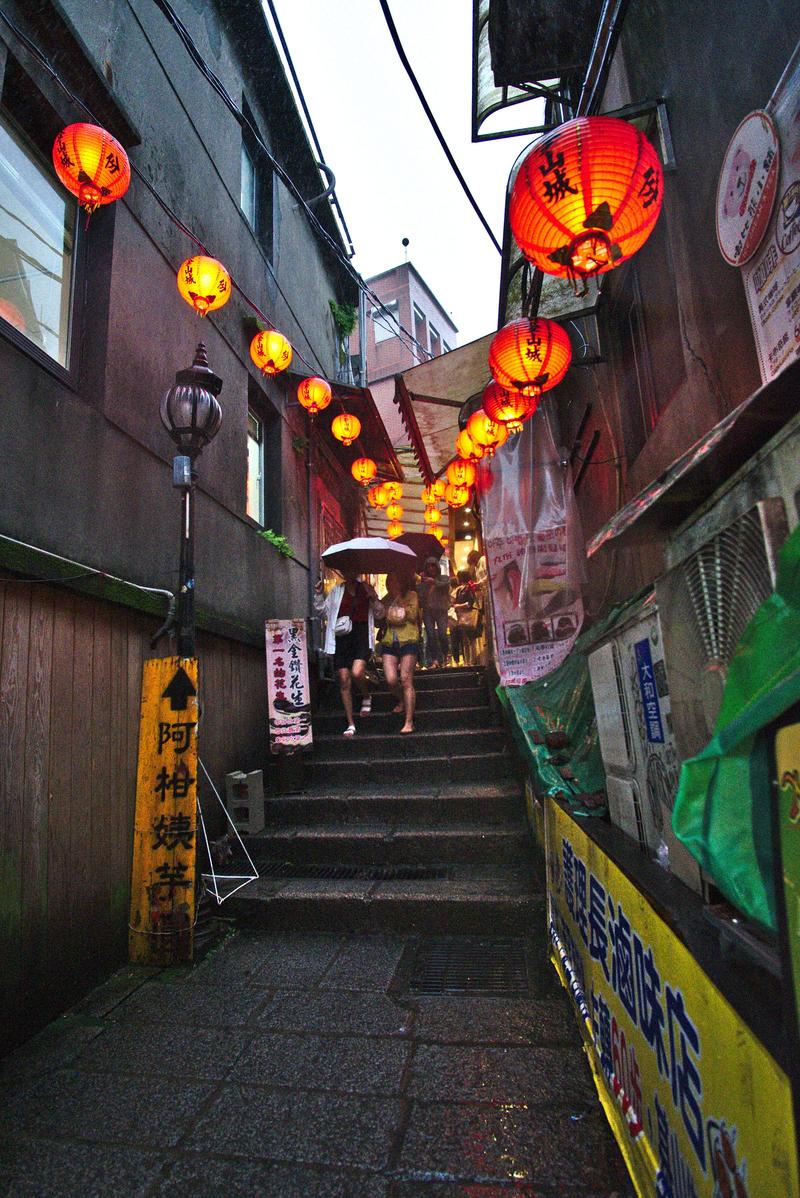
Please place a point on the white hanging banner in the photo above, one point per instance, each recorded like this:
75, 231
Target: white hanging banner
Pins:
772, 276
534, 554
287, 686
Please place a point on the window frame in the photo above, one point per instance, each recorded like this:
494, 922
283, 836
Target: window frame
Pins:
378, 314
255, 418
262, 225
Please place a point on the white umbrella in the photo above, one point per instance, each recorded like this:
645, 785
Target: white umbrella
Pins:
369, 555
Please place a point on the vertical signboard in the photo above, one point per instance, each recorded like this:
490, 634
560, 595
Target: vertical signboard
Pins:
287, 686
699, 1108
164, 848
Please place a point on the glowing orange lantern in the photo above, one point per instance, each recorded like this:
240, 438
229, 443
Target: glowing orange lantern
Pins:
271, 352
461, 473
205, 284
444, 541
395, 529
394, 491
530, 355
511, 408
486, 433
431, 515
377, 495
466, 448
395, 511
363, 471
456, 496
438, 487
346, 428
314, 394
586, 197
91, 164
438, 533
429, 495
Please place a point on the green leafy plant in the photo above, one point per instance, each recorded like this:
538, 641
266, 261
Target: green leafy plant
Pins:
280, 543
344, 317
300, 445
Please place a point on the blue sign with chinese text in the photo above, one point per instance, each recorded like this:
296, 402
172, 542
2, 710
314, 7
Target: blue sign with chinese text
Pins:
654, 729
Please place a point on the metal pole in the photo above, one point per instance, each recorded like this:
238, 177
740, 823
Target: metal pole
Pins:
186, 637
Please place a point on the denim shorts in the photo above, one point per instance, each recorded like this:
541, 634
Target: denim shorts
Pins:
396, 649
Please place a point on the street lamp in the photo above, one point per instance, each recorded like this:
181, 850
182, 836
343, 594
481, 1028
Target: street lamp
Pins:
191, 415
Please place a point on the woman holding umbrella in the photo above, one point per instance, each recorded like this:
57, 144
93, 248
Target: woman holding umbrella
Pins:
399, 645
350, 610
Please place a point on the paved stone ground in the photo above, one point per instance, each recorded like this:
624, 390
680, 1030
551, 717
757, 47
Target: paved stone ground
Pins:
280, 1065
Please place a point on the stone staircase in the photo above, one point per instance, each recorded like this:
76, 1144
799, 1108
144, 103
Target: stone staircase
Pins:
423, 833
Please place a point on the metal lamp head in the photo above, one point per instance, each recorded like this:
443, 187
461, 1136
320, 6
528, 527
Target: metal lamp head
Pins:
189, 410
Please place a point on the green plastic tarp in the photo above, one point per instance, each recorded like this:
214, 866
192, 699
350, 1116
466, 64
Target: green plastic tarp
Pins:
722, 808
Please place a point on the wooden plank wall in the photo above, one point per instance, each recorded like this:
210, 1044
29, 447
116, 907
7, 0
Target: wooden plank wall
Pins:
70, 681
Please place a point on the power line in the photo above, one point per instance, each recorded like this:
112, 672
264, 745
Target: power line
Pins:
432, 119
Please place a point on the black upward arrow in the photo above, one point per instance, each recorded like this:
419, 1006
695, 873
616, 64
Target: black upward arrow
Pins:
179, 690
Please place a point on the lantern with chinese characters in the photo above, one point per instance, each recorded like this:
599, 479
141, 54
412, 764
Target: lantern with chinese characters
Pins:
377, 496
586, 197
395, 511
439, 485
271, 352
456, 496
429, 495
395, 529
394, 491
204, 283
530, 355
485, 432
431, 516
314, 394
511, 408
91, 164
461, 473
467, 449
346, 428
363, 471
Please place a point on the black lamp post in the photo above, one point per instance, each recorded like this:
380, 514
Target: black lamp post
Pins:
191, 415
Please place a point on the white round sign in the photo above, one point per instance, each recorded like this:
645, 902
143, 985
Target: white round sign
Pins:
747, 186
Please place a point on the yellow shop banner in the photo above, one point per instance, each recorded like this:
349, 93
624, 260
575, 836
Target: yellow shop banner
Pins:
699, 1107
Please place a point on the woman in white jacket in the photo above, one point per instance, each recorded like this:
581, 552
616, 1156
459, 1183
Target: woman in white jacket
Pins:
350, 609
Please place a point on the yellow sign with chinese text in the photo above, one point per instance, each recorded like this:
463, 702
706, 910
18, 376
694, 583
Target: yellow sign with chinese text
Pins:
699, 1108
164, 847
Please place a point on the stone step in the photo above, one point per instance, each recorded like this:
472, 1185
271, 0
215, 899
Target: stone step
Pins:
479, 900
435, 770
460, 678
391, 844
428, 699
420, 804
373, 745
329, 723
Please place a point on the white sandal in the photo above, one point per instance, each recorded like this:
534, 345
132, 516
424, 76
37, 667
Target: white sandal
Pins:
350, 730
366, 706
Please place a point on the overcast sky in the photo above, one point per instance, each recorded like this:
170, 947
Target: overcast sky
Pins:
392, 178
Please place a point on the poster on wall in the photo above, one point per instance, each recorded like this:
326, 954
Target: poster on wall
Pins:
699, 1108
534, 554
287, 686
772, 276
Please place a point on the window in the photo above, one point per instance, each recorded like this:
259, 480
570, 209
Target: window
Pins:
255, 468
37, 223
436, 342
631, 362
420, 329
256, 185
385, 321
248, 200
446, 348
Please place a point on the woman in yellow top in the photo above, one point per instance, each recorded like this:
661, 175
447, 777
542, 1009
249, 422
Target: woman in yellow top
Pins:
399, 645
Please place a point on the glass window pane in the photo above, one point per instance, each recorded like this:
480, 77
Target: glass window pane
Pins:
37, 218
385, 326
436, 342
248, 201
254, 468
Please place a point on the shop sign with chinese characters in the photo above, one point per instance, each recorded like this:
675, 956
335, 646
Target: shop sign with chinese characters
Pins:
698, 1106
164, 848
287, 686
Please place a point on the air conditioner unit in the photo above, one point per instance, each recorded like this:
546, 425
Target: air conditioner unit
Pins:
634, 720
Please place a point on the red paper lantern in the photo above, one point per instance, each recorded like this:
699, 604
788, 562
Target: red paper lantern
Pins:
429, 495
377, 496
314, 394
395, 529
205, 284
586, 197
461, 473
486, 433
394, 491
431, 516
456, 496
511, 408
346, 428
439, 487
271, 351
530, 355
91, 164
363, 471
467, 449
395, 511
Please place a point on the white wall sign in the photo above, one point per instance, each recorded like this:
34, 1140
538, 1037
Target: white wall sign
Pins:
746, 189
287, 686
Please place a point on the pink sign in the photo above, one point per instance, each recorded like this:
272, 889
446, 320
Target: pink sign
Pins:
287, 686
747, 185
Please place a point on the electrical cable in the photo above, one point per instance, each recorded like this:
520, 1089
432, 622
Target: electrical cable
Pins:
431, 118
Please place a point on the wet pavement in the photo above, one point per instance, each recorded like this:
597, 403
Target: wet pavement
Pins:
289, 1065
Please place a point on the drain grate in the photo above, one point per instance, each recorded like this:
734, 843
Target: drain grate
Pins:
363, 873
469, 966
